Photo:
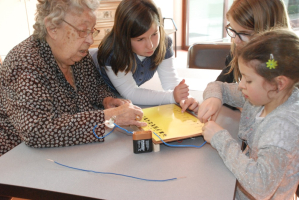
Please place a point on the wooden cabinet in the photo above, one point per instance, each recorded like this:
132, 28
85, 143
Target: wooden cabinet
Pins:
105, 19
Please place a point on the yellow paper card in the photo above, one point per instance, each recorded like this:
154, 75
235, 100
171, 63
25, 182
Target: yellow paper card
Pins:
170, 123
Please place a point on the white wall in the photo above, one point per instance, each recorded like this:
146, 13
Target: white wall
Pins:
178, 18
15, 14
16, 21
166, 7
172, 9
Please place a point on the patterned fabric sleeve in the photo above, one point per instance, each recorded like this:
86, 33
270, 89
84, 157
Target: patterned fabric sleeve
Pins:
259, 178
37, 119
102, 88
227, 92
269, 170
38, 105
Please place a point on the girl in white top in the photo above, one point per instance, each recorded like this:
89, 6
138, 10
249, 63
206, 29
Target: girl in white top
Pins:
134, 50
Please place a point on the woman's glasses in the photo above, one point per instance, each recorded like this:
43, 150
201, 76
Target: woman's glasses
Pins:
245, 37
85, 33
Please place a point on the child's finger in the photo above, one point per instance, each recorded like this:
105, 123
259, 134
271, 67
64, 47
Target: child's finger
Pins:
184, 107
214, 117
182, 82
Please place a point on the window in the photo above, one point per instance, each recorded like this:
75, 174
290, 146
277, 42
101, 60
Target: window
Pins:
205, 20
293, 10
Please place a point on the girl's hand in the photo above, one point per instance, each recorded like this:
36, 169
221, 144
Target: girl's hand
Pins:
190, 104
209, 109
209, 130
110, 102
126, 114
181, 91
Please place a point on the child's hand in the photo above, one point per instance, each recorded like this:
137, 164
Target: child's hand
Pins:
209, 130
209, 109
190, 104
181, 91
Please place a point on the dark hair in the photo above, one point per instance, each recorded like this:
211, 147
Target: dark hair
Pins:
259, 16
283, 44
132, 19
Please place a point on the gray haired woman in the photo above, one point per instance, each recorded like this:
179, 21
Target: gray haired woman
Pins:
50, 91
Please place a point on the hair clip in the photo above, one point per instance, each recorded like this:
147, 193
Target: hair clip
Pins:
271, 64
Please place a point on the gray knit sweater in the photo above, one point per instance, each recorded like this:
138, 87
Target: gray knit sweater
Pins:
269, 167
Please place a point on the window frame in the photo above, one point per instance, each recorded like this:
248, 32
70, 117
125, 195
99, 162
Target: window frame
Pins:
185, 23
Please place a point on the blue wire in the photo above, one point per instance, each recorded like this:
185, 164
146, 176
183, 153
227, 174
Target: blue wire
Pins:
174, 145
103, 135
123, 129
143, 179
170, 145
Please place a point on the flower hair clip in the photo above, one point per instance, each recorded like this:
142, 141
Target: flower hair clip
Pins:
271, 64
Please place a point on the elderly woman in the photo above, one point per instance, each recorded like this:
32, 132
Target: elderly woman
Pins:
50, 90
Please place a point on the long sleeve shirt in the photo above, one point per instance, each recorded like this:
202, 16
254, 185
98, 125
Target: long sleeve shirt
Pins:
269, 168
127, 87
38, 105
128, 84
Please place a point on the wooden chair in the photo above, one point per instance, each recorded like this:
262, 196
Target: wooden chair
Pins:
208, 55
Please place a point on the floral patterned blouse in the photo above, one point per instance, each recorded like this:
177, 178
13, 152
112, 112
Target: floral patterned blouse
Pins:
38, 105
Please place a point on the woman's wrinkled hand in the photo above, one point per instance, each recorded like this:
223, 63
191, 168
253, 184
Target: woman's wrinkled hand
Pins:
190, 104
181, 91
126, 114
209, 130
110, 102
209, 109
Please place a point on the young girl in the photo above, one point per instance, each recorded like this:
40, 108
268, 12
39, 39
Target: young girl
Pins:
246, 18
269, 166
134, 50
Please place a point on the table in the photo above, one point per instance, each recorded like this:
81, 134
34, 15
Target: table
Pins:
197, 79
25, 172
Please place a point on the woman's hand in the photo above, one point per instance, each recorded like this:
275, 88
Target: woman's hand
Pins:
181, 91
209, 130
190, 104
126, 114
209, 109
110, 102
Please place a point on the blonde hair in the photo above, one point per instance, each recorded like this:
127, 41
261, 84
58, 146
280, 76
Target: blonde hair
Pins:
55, 10
259, 16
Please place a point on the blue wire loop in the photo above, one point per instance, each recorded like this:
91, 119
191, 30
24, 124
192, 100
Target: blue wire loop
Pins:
93, 130
111, 173
170, 145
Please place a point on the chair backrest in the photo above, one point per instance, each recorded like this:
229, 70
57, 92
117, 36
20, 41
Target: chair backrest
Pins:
208, 55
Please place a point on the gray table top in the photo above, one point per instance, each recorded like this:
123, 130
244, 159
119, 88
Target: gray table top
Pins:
206, 175
28, 171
